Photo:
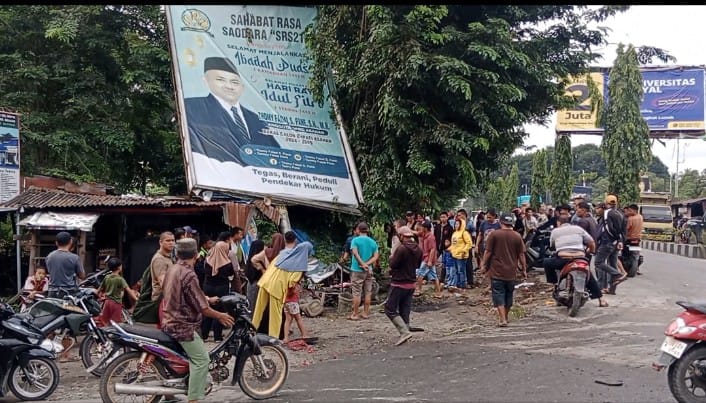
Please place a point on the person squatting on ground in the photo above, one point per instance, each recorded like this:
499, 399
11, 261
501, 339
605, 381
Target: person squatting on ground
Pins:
504, 253
184, 307
365, 254
112, 288
403, 266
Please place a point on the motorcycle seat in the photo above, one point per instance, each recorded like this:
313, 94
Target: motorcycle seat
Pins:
150, 332
693, 306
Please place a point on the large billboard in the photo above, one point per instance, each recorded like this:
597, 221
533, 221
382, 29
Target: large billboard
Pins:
9, 156
248, 122
580, 118
673, 101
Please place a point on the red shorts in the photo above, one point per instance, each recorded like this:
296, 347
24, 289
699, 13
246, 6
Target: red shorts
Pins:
111, 311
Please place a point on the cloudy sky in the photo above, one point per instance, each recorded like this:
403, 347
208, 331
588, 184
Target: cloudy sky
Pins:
678, 29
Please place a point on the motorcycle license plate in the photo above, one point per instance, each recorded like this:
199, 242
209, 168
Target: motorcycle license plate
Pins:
673, 347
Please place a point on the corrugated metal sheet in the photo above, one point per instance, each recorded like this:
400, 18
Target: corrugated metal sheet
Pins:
60, 221
41, 198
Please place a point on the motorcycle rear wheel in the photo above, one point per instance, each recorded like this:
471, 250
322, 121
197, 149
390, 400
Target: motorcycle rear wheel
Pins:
258, 387
576, 303
90, 352
112, 375
677, 376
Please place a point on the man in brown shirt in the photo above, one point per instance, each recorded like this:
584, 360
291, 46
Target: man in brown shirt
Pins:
161, 261
183, 308
504, 253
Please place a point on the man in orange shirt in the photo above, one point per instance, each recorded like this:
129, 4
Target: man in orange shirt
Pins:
634, 233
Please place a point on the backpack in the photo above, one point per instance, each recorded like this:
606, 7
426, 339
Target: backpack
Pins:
146, 310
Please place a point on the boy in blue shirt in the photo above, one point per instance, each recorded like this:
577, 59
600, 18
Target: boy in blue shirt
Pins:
365, 254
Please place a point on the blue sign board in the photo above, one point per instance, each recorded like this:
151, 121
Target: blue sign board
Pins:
673, 99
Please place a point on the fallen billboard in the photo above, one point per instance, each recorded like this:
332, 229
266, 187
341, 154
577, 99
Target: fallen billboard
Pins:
248, 122
9, 156
673, 101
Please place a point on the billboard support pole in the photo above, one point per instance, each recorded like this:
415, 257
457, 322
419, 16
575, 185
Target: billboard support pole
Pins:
18, 250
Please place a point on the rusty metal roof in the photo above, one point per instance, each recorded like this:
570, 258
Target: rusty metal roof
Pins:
41, 198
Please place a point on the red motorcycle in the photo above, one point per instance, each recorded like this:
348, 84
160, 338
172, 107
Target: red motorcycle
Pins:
684, 353
571, 290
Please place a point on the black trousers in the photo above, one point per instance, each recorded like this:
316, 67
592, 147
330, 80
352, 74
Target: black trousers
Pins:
399, 303
209, 324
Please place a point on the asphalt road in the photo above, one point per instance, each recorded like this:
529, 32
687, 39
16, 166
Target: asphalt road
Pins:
548, 357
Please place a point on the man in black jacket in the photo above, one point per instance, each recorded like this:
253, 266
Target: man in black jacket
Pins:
403, 266
611, 235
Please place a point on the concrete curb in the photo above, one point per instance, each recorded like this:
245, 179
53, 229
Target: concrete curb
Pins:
692, 251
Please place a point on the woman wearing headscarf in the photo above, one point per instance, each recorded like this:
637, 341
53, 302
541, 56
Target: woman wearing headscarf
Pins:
254, 267
217, 270
276, 245
284, 271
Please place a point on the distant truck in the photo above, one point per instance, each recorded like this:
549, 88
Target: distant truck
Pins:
657, 216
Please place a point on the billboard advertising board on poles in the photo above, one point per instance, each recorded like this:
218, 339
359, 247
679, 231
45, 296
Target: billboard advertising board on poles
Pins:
9, 156
673, 101
248, 122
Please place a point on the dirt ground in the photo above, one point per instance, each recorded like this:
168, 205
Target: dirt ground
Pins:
466, 313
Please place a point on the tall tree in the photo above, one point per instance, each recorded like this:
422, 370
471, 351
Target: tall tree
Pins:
512, 187
561, 179
94, 86
496, 195
432, 97
538, 190
626, 142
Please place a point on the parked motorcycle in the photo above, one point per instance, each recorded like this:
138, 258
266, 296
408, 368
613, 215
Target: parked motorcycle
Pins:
333, 281
71, 316
158, 366
571, 289
26, 369
538, 248
683, 352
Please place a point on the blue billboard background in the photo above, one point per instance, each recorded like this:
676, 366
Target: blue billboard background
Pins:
673, 99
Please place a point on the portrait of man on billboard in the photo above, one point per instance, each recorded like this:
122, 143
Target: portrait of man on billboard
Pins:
219, 125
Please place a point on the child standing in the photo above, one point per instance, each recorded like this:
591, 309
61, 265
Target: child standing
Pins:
292, 311
36, 284
113, 287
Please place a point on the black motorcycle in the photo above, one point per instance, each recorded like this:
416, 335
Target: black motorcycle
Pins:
57, 319
537, 248
157, 365
26, 369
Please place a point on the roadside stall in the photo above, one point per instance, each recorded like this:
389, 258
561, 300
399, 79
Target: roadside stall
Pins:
43, 227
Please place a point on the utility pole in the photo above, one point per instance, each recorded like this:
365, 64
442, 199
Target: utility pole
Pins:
676, 176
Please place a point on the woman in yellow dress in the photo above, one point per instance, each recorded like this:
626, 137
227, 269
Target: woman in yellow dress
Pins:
283, 272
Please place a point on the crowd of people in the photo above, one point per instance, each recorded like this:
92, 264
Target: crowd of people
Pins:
455, 253
181, 288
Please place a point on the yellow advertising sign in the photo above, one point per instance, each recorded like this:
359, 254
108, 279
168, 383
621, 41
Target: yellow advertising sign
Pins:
580, 118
